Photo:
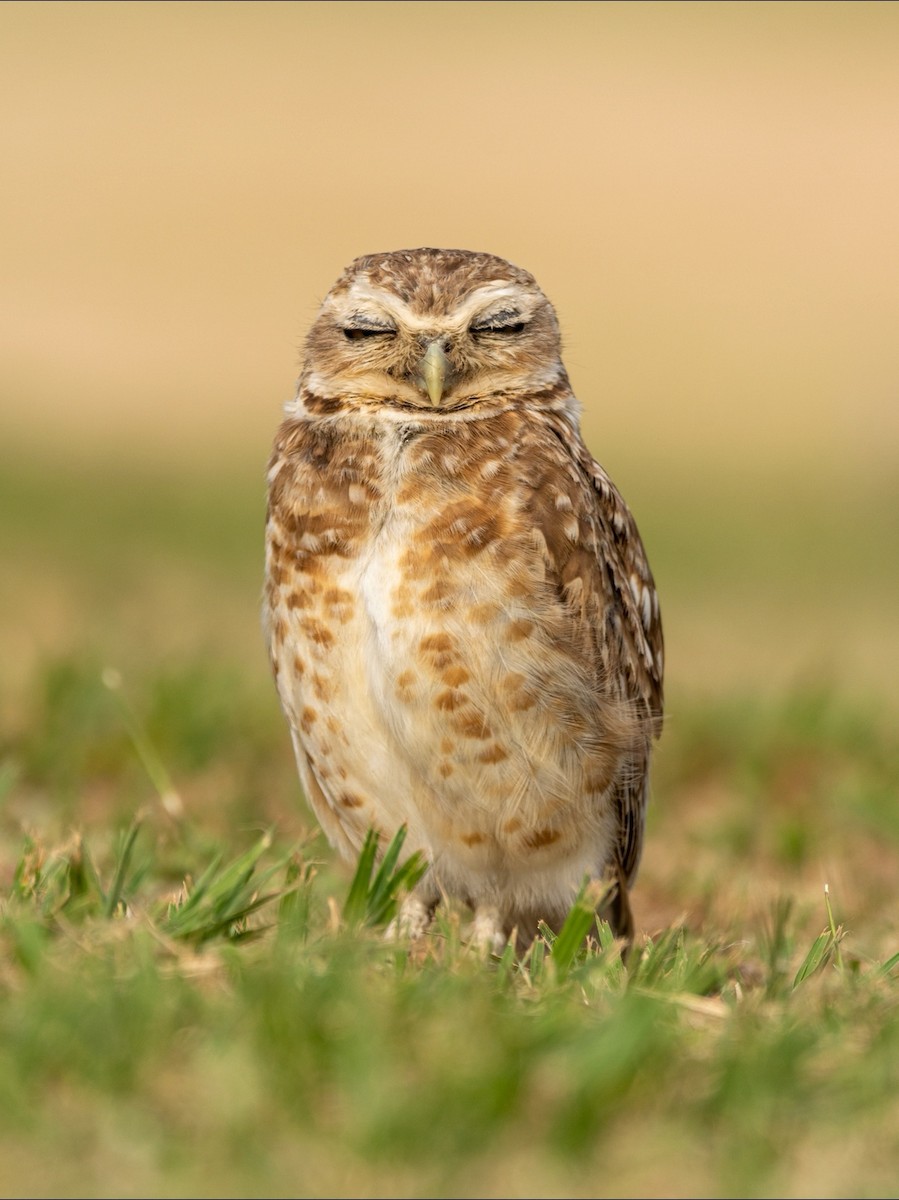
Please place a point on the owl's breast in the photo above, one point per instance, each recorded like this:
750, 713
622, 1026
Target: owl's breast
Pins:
431, 672
478, 666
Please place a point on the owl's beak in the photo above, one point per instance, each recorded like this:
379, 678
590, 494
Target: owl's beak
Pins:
433, 368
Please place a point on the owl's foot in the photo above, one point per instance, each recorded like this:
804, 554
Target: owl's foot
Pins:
487, 934
411, 921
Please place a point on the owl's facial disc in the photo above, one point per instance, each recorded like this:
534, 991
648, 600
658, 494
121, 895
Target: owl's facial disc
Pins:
436, 330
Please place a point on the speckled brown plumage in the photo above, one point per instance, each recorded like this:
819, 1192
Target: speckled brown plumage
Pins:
461, 619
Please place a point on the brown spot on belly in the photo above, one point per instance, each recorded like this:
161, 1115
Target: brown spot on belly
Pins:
455, 676
519, 697
437, 592
339, 603
597, 782
464, 528
401, 603
351, 800
445, 769
483, 614
299, 666
438, 649
416, 558
472, 839
512, 826
311, 565
473, 725
435, 642
519, 587
317, 632
335, 596
493, 754
308, 717
405, 494
449, 700
519, 629
541, 837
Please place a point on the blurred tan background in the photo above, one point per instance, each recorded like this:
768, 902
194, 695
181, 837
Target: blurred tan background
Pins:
709, 193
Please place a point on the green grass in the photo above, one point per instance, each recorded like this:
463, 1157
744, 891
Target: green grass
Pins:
195, 999
239, 1029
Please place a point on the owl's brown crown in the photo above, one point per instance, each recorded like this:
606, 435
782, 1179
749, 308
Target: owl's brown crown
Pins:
433, 280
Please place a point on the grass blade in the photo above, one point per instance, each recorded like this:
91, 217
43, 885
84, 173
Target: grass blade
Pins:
570, 938
356, 903
223, 898
816, 957
114, 897
887, 967
825, 946
374, 901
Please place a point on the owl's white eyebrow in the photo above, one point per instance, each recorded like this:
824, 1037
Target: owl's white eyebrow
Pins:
501, 313
362, 320
490, 294
476, 302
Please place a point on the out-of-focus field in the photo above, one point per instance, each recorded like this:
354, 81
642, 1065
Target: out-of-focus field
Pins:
708, 193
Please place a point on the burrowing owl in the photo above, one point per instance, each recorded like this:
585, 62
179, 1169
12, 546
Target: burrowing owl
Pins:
462, 622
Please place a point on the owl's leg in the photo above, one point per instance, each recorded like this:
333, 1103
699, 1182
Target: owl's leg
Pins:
411, 921
487, 934
416, 912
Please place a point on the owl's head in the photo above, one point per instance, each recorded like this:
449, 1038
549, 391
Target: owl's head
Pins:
431, 329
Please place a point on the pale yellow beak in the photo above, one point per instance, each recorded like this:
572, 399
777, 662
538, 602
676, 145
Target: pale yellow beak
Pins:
433, 371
